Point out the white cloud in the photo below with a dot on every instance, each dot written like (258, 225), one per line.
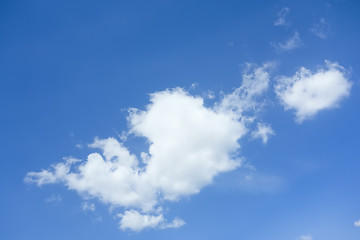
(189, 144)
(357, 223)
(85, 206)
(135, 221)
(292, 43)
(308, 93)
(305, 237)
(255, 82)
(321, 29)
(282, 14)
(209, 95)
(176, 223)
(79, 146)
(263, 131)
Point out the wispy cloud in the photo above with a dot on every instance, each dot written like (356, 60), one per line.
(255, 82)
(357, 223)
(321, 29)
(53, 199)
(308, 93)
(258, 182)
(263, 131)
(88, 207)
(79, 146)
(290, 44)
(281, 20)
(305, 237)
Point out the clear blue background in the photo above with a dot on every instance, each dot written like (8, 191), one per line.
(68, 69)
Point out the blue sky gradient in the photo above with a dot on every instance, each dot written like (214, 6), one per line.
(70, 71)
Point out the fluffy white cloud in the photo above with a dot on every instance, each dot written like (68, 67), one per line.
(357, 223)
(305, 237)
(290, 44)
(189, 144)
(135, 221)
(282, 14)
(308, 93)
(263, 131)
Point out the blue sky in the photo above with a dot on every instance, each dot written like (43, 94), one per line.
(180, 120)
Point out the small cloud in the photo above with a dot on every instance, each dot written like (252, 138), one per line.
(79, 146)
(194, 85)
(321, 29)
(123, 136)
(263, 131)
(281, 20)
(53, 199)
(210, 95)
(255, 82)
(292, 43)
(176, 223)
(357, 223)
(135, 221)
(305, 237)
(86, 207)
(308, 93)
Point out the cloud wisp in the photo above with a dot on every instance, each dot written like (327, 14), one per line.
(88, 207)
(263, 132)
(305, 237)
(308, 92)
(248, 97)
(281, 20)
(290, 44)
(321, 29)
(357, 223)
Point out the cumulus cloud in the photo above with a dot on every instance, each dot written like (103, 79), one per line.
(321, 29)
(290, 44)
(263, 131)
(281, 20)
(357, 223)
(310, 92)
(135, 221)
(189, 144)
(305, 237)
